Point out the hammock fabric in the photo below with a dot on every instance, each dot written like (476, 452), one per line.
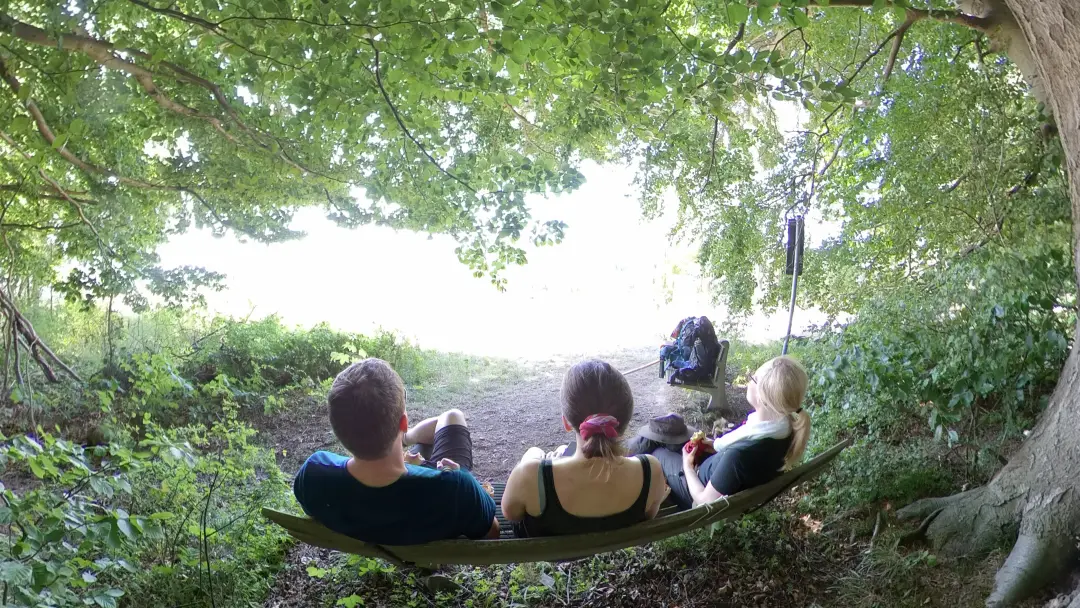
(508, 550)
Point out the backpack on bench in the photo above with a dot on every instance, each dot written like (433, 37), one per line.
(691, 359)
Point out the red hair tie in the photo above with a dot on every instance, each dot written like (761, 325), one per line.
(599, 424)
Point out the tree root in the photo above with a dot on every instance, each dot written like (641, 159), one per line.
(1038, 558)
(919, 535)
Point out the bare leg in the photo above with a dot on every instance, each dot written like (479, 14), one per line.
(424, 432)
(448, 418)
(533, 453)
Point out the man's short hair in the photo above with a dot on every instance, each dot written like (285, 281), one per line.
(367, 401)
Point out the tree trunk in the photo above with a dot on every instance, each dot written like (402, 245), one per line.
(1035, 498)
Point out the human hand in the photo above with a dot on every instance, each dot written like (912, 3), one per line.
(448, 465)
(556, 453)
(689, 454)
(413, 458)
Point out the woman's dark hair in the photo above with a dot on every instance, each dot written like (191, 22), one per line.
(595, 388)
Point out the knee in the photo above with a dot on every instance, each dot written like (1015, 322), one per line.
(449, 417)
(533, 453)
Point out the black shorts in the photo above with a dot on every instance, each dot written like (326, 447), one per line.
(452, 441)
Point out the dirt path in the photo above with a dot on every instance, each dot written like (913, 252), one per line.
(509, 407)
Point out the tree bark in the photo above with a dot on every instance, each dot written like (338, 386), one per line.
(1035, 499)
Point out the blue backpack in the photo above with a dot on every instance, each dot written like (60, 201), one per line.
(691, 359)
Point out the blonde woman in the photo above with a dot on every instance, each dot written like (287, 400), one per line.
(772, 440)
(595, 487)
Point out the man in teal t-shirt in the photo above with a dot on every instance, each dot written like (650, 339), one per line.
(375, 496)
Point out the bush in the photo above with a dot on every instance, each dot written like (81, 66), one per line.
(214, 542)
(264, 355)
(965, 357)
(68, 533)
(170, 523)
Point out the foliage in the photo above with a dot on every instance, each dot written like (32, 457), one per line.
(264, 354)
(452, 113)
(95, 525)
(214, 542)
(987, 337)
(67, 533)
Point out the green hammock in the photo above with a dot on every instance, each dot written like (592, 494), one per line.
(517, 550)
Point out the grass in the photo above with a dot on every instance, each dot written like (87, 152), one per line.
(460, 377)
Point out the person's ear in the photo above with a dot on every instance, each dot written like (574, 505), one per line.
(566, 424)
(404, 424)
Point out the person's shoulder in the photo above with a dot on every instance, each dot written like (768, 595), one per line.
(654, 463)
(324, 459)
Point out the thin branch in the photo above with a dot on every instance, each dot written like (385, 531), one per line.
(19, 189)
(104, 53)
(60, 190)
(50, 138)
(39, 227)
(738, 37)
(712, 153)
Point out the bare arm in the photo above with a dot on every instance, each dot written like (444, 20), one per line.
(516, 494)
(701, 493)
(493, 533)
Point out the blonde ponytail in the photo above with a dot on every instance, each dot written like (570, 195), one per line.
(800, 435)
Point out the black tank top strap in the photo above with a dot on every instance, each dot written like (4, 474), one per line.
(549, 498)
(646, 483)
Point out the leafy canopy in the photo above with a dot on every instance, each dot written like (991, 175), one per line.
(125, 121)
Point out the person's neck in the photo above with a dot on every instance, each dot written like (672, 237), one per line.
(378, 473)
(578, 455)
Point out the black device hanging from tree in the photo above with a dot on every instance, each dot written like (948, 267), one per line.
(793, 265)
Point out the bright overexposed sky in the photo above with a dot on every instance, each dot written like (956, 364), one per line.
(615, 281)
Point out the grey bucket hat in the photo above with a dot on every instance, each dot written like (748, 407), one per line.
(669, 428)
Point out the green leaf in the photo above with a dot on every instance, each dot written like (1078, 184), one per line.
(5, 515)
(125, 527)
(15, 573)
(737, 13)
(350, 602)
(800, 18)
(316, 572)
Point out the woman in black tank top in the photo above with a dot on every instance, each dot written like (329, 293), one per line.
(602, 489)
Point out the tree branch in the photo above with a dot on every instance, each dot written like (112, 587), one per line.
(103, 53)
(738, 37)
(712, 153)
(897, 41)
(900, 31)
(50, 138)
(947, 16)
(23, 333)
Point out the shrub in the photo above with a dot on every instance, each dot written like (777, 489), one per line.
(68, 533)
(214, 542)
(170, 523)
